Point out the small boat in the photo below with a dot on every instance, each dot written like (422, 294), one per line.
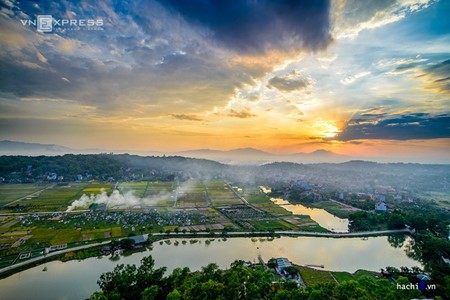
(45, 269)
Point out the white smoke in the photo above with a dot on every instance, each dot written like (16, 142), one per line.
(115, 199)
(127, 199)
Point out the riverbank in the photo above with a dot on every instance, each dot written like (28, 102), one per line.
(57, 255)
(336, 254)
(333, 207)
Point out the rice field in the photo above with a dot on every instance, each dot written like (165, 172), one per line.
(192, 194)
(12, 192)
(264, 225)
(159, 193)
(220, 194)
(137, 188)
(97, 188)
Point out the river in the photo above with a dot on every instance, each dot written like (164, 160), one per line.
(320, 216)
(77, 279)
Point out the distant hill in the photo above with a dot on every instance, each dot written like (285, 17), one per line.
(22, 148)
(255, 156)
(235, 156)
(353, 175)
(36, 149)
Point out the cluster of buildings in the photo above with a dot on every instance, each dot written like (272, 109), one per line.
(127, 219)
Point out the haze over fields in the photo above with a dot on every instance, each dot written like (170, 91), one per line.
(302, 81)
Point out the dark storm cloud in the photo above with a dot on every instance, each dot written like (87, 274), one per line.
(402, 127)
(287, 84)
(253, 26)
(144, 55)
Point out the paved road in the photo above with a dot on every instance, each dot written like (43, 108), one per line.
(219, 234)
(290, 232)
(343, 234)
(36, 259)
(32, 194)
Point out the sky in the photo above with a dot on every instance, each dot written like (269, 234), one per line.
(356, 77)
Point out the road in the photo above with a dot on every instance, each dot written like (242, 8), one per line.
(36, 259)
(243, 199)
(219, 234)
(32, 194)
(289, 232)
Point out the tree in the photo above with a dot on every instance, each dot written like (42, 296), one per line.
(150, 293)
(271, 263)
(396, 221)
(174, 295)
(350, 290)
(126, 244)
(396, 240)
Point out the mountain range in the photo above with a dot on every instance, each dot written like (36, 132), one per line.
(235, 156)
(251, 155)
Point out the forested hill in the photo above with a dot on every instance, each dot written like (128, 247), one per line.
(353, 175)
(103, 166)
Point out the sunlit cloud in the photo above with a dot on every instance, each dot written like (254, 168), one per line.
(352, 78)
(276, 77)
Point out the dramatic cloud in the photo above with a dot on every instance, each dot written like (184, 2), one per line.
(401, 127)
(439, 76)
(353, 16)
(255, 26)
(290, 82)
(194, 74)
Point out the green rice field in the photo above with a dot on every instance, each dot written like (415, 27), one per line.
(12, 192)
(220, 194)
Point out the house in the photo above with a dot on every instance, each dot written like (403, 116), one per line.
(51, 176)
(56, 248)
(381, 198)
(380, 206)
(282, 263)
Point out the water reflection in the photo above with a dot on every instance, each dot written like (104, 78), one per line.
(321, 216)
(77, 279)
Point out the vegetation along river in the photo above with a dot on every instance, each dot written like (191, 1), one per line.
(77, 279)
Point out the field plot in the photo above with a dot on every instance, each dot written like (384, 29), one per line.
(304, 223)
(192, 194)
(57, 198)
(101, 233)
(220, 194)
(264, 225)
(137, 188)
(12, 192)
(260, 200)
(56, 237)
(441, 199)
(97, 188)
(312, 276)
(159, 193)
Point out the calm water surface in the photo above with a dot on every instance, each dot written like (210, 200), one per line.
(321, 216)
(77, 279)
